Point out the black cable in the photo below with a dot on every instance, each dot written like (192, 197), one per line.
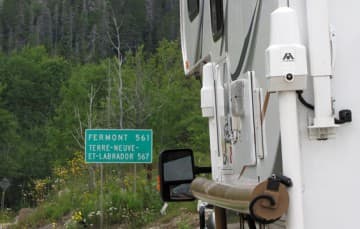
(338, 121)
(345, 115)
(303, 101)
(251, 222)
(198, 170)
(242, 219)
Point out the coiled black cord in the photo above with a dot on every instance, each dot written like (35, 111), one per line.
(258, 218)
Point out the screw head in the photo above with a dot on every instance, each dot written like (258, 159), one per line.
(289, 77)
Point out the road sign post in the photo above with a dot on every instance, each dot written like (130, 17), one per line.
(118, 146)
(4, 184)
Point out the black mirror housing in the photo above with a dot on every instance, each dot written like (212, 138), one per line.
(176, 172)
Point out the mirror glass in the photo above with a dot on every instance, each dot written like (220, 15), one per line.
(179, 169)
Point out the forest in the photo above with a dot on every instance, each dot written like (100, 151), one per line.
(80, 30)
(67, 66)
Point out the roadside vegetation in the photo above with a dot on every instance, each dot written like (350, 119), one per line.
(47, 102)
(67, 66)
(70, 204)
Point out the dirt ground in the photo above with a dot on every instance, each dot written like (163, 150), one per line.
(185, 219)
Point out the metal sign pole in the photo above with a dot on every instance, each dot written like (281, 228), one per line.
(3, 201)
(135, 178)
(4, 184)
(101, 195)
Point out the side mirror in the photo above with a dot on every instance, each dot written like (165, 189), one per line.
(176, 171)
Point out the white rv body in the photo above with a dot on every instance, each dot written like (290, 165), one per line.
(320, 156)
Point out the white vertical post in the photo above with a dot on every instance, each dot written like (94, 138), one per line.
(290, 147)
(320, 61)
(209, 110)
(284, 40)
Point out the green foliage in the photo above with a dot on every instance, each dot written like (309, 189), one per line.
(58, 77)
(8, 139)
(72, 198)
(78, 30)
(6, 216)
(30, 93)
(47, 102)
(49, 212)
(73, 113)
(184, 225)
(32, 80)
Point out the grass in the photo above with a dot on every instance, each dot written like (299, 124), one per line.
(81, 207)
(174, 209)
(49, 212)
(72, 202)
(6, 216)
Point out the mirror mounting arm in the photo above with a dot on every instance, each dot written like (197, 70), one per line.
(198, 170)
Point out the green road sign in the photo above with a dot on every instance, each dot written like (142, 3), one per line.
(118, 146)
